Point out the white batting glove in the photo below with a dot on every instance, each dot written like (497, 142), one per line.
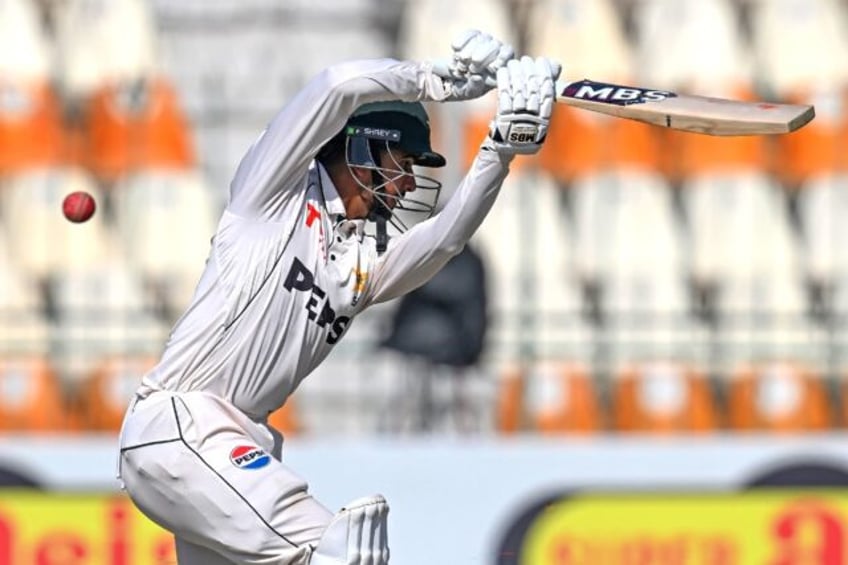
(472, 72)
(525, 103)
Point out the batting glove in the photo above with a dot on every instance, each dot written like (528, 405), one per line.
(472, 72)
(525, 103)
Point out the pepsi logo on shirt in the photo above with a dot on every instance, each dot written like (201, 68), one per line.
(249, 457)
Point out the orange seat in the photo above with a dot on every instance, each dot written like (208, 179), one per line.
(136, 126)
(777, 397)
(31, 130)
(581, 144)
(31, 398)
(107, 393)
(551, 398)
(663, 397)
(817, 148)
(286, 420)
(510, 402)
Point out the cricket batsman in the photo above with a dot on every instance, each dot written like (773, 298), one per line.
(290, 267)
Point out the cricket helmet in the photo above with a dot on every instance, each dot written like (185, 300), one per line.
(409, 119)
(401, 125)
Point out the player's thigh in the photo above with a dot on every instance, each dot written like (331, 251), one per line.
(247, 516)
(223, 492)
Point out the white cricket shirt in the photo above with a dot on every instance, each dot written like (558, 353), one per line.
(287, 273)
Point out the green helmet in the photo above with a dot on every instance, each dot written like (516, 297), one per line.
(386, 125)
(404, 124)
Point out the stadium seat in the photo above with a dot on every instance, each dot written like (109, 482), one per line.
(771, 354)
(800, 45)
(31, 129)
(663, 397)
(624, 223)
(137, 125)
(768, 349)
(837, 328)
(669, 47)
(778, 397)
(648, 317)
(509, 414)
(23, 321)
(570, 32)
(654, 350)
(108, 390)
(101, 312)
(630, 244)
(32, 135)
(165, 220)
(822, 208)
(23, 324)
(745, 249)
(801, 54)
(24, 46)
(604, 142)
(103, 43)
(738, 226)
(40, 239)
(687, 156)
(817, 150)
(534, 297)
(550, 398)
(670, 55)
(31, 397)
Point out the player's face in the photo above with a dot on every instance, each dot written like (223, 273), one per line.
(397, 171)
(383, 188)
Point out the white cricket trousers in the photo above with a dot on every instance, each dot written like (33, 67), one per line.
(200, 468)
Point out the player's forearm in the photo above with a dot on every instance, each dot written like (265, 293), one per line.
(470, 203)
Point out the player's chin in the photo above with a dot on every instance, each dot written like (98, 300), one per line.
(393, 200)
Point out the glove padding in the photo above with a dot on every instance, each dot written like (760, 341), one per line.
(472, 72)
(525, 103)
(357, 535)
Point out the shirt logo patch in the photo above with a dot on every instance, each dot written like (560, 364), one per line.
(249, 457)
(312, 214)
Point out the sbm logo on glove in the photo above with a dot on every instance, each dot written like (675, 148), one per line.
(518, 133)
(523, 133)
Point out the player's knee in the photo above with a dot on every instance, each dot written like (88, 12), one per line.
(357, 535)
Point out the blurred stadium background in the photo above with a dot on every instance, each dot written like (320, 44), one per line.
(644, 288)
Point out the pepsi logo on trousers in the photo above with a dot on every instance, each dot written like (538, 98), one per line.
(249, 457)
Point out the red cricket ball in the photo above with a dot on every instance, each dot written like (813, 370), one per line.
(78, 206)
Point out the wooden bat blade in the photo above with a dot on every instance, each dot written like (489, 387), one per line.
(687, 112)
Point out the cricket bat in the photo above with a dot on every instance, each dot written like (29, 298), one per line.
(686, 112)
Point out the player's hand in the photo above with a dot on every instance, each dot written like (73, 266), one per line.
(525, 103)
(472, 72)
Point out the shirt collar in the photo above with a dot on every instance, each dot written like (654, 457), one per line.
(334, 204)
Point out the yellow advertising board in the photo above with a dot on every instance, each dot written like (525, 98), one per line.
(761, 527)
(39, 528)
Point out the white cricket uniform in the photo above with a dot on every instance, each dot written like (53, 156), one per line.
(286, 275)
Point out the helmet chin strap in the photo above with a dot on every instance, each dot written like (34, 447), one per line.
(382, 234)
(379, 214)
